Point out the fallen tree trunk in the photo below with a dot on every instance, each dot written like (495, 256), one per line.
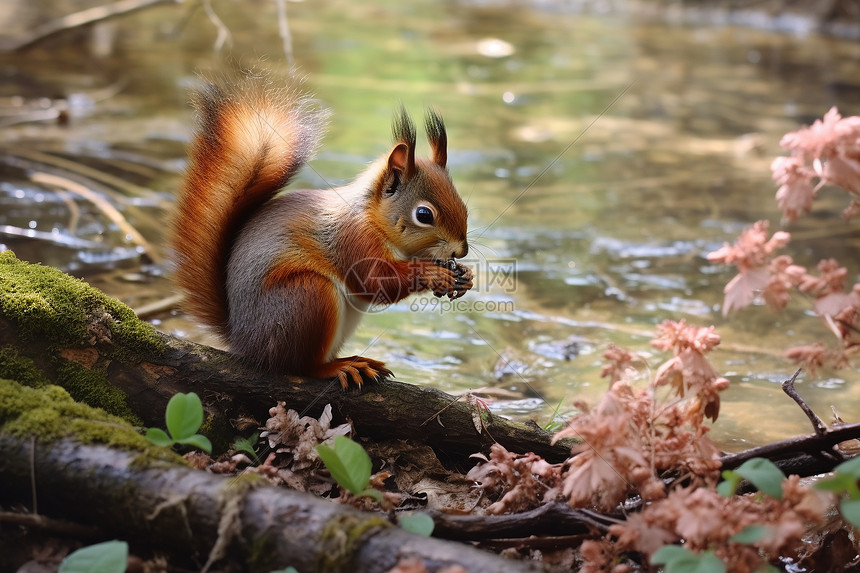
(96, 348)
(201, 519)
(382, 410)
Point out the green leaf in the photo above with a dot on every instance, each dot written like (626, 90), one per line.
(107, 557)
(709, 563)
(850, 509)
(199, 441)
(348, 464)
(764, 475)
(681, 560)
(159, 437)
(851, 467)
(419, 523)
(838, 483)
(553, 423)
(670, 553)
(750, 534)
(247, 444)
(287, 570)
(372, 493)
(728, 487)
(184, 415)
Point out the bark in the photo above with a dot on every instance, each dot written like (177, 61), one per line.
(196, 516)
(808, 455)
(379, 410)
(233, 394)
(550, 519)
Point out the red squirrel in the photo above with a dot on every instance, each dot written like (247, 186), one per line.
(284, 278)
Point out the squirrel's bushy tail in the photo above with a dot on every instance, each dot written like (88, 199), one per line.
(251, 139)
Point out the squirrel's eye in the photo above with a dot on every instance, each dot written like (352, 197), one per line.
(423, 215)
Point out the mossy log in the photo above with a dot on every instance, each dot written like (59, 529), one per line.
(58, 329)
(197, 517)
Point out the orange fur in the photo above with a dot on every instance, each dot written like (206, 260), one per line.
(249, 144)
(279, 277)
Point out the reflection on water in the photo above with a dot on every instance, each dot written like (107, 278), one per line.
(601, 159)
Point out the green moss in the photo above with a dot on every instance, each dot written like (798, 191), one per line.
(50, 413)
(260, 557)
(92, 387)
(45, 304)
(342, 537)
(56, 312)
(219, 431)
(16, 367)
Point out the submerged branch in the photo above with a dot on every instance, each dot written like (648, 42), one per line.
(76, 20)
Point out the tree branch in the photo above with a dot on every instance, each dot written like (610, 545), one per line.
(188, 514)
(788, 388)
(76, 20)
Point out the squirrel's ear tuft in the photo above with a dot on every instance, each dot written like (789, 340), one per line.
(437, 136)
(404, 138)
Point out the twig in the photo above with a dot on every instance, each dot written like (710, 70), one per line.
(105, 207)
(284, 31)
(224, 36)
(554, 519)
(39, 161)
(157, 307)
(436, 415)
(544, 542)
(74, 211)
(788, 387)
(792, 449)
(48, 524)
(33, 472)
(78, 19)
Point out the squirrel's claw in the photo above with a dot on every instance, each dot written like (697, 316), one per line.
(355, 369)
(451, 279)
(463, 279)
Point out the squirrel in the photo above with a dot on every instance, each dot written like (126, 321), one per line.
(283, 278)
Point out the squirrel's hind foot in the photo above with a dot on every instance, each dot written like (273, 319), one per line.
(358, 369)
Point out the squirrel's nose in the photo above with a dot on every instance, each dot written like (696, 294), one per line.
(464, 250)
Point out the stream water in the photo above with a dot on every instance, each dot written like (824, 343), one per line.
(601, 158)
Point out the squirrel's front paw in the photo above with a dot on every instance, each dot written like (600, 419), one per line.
(458, 279)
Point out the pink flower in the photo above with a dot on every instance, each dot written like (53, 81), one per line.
(752, 248)
(843, 171)
(756, 276)
(818, 139)
(678, 336)
(796, 191)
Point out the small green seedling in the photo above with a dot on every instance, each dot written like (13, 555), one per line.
(350, 466)
(184, 416)
(555, 423)
(845, 481)
(418, 523)
(247, 445)
(678, 559)
(750, 534)
(760, 472)
(107, 557)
